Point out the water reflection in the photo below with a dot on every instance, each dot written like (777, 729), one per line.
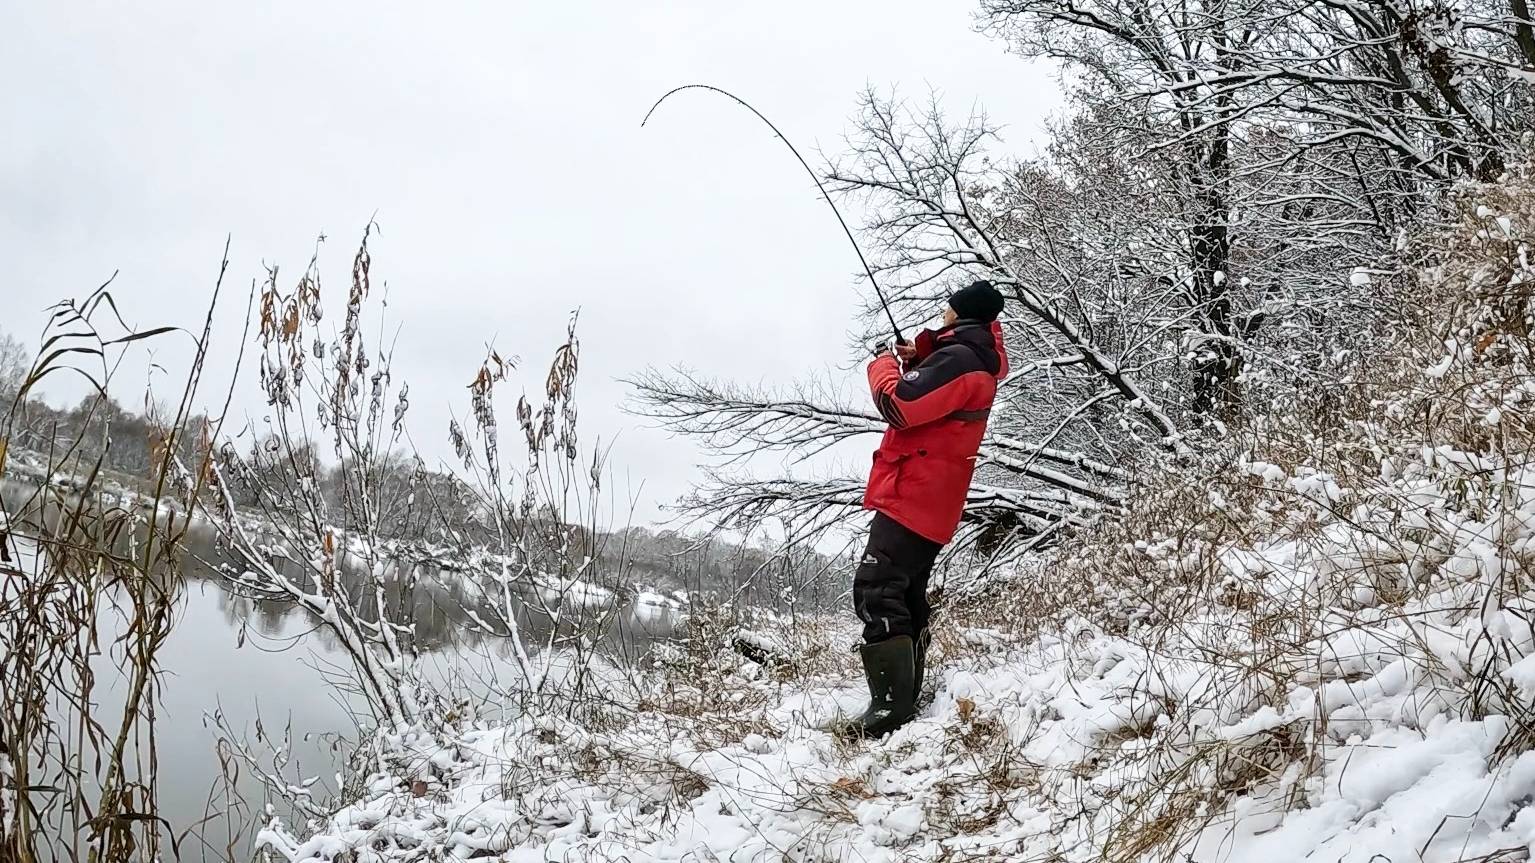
(265, 662)
(441, 604)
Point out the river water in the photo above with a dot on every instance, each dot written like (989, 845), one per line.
(267, 663)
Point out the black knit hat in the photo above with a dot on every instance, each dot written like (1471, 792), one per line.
(977, 301)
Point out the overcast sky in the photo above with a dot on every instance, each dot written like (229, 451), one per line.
(499, 147)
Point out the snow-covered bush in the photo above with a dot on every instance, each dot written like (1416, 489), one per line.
(1358, 565)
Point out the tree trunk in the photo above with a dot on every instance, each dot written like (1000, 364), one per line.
(1524, 30)
(1216, 359)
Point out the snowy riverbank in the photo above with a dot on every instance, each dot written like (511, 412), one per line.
(1313, 714)
(1310, 637)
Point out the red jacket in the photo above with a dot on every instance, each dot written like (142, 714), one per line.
(937, 413)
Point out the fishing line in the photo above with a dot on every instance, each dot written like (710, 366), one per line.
(900, 339)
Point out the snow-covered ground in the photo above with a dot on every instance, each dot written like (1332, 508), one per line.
(1317, 644)
(1348, 730)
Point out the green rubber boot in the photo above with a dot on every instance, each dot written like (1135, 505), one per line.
(890, 667)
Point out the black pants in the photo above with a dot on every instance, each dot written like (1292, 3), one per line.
(890, 587)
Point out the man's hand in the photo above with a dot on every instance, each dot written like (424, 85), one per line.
(906, 352)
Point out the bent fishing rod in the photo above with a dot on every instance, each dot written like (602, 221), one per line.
(869, 271)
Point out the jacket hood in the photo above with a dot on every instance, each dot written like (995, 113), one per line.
(985, 339)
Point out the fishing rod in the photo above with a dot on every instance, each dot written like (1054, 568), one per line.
(900, 339)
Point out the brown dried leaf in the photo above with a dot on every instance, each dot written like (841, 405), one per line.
(852, 787)
(966, 709)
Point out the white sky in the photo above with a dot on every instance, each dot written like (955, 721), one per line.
(499, 146)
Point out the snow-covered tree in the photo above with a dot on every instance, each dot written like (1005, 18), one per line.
(1205, 237)
(14, 362)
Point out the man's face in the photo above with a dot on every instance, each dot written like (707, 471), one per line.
(949, 316)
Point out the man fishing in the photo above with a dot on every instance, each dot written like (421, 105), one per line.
(937, 411)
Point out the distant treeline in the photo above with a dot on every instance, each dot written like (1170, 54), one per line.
(419, 505)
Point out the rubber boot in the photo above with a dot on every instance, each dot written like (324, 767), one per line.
(924, 639)
(847, 728)
(890, 666)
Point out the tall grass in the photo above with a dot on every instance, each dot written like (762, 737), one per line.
(87, 578)
(90, 569)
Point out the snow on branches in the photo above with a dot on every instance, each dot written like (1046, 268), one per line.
(1217, 227)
